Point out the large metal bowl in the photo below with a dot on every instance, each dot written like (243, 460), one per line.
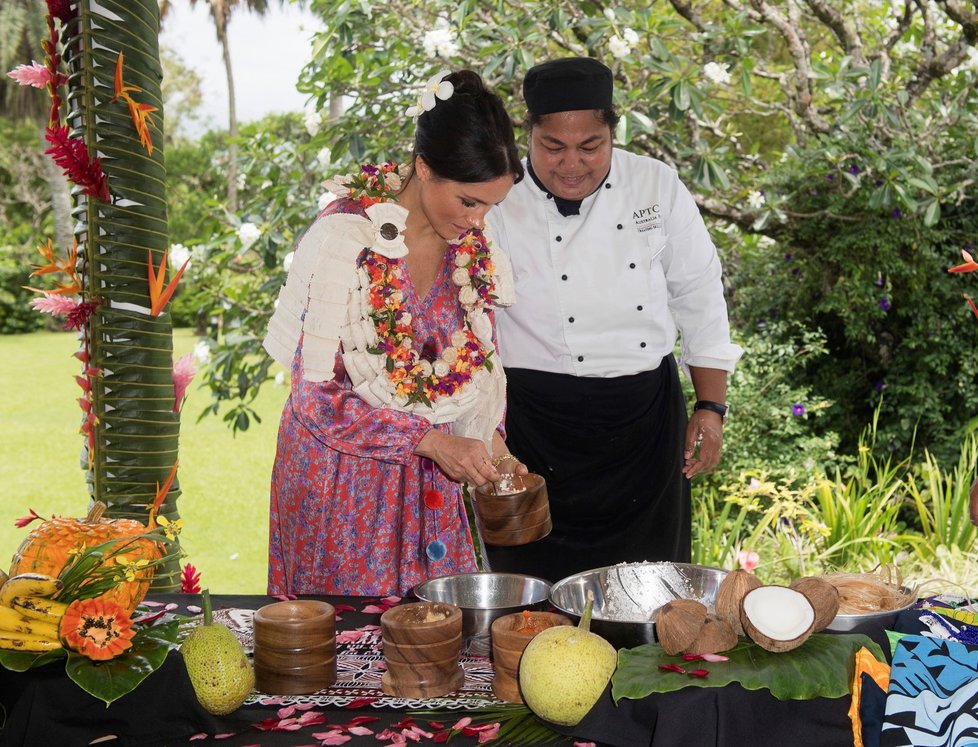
(482, 598)
(628, 596)
(868, 620)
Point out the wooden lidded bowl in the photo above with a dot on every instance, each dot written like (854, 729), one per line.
(511, 519)
(508, 643)
(295, 647)
(422, 646)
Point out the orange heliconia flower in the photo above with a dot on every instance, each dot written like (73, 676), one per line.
(969, 264)
(97, 628)
(56, 264)
(159, 295)
(140, 113)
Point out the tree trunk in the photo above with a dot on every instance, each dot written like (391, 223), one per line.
(222, 35)
(60, 199)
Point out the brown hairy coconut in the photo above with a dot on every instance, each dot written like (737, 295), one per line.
(716, 637)
(777, 618)
(679, 623)
(823, 596)
(729, 595)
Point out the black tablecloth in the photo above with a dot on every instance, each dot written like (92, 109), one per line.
(44, 708)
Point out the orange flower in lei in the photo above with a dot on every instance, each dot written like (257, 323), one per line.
(97, 628)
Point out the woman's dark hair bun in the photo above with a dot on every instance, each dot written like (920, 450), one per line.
(469, 136)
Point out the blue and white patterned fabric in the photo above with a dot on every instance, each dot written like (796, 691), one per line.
(933, 694)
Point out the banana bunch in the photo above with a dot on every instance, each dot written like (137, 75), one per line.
(29, 618)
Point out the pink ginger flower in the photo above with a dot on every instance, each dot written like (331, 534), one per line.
(35, 74)
(55, 305)
(748, 560)
(184, 371)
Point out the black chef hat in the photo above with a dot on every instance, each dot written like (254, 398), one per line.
(567, 85)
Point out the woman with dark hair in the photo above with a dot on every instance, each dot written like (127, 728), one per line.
(396, 396)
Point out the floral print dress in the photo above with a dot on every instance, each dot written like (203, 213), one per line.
(353, 509)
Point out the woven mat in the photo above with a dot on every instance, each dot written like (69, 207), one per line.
(359, 667)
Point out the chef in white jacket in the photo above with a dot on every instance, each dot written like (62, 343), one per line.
(612, 264)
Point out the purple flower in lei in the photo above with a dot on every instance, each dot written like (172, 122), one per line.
(798, 409)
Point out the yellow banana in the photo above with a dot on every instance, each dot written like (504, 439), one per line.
(13, 622)
(39, 608)
(12, 641)
(29, 585)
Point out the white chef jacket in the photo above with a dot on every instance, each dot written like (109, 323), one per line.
(607, 292)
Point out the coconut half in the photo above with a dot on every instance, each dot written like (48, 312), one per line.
(678, 624)
(715, 637)
(777, 618)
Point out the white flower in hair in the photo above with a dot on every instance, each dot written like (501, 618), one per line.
(434, 89)
(338, 185)
(389, 221)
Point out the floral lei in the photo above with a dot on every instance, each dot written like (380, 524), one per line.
(469, 348)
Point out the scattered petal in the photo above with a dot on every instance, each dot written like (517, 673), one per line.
(373, 609)
(701, 673)
(360, 702)
(672, 668)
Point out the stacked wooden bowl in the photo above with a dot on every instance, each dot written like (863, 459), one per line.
(511, 518)
(295, 647)
(422, 646)
(510, 636)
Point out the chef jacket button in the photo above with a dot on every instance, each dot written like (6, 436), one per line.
(560, 238)
(580, 359)
(619, 226)
(631, 265)
(607, 185)
(641, 345)
(639, 307)
(571, 320)
(563, 277)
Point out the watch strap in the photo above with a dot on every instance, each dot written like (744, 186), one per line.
(717, 407)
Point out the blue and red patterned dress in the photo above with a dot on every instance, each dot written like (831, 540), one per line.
(348, 513)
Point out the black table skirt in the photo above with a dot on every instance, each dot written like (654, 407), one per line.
(43, 708)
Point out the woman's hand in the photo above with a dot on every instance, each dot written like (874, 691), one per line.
(704, 441)
(462, 459)
(507, 464)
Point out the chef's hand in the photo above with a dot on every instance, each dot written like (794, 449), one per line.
(704, 441)
(507, 464)
(462, 459)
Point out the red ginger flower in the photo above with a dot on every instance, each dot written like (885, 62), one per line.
(189, 580)
(72, 155)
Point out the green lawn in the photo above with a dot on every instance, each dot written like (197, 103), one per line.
(224, 478)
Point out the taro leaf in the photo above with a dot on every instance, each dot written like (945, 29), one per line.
(21, 661)
(821, 667)
(109, 680)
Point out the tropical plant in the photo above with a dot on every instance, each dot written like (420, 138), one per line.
(221, 11)
(108, 282)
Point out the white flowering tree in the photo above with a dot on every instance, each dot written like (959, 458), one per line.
(818, 128)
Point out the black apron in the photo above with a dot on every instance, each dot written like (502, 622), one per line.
(611, 451)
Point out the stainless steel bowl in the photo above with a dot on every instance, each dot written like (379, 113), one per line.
(846, 623)
(627, 597)
(482, 598)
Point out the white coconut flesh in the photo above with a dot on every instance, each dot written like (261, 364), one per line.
(778, 612)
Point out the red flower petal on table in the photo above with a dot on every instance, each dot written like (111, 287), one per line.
(672, 668)
(391, 601)
(434, 499)
(489, 734)
(228, 735)
(373, 609)
(715, 657)
(360, 702)
(442, 736)
(23, 521)
(462, 723)
(345, 608)
(404, 723)
(349, 636)
(332, 737)
(201, 735)
(436, 725)
(701, 673)
(284, 597)
(360, 731)
(193, 609)
(584, 744)
(357, 720)
(149, 617)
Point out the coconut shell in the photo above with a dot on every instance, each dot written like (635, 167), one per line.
(776, 645)
(729, 595)
(823, 596)
(679, 623)
(716, 637)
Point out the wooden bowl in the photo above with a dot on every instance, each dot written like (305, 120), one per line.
(295, 680)
(514, 519)
(508, 644)
(284, 658)
(298, 623)
(422, 654)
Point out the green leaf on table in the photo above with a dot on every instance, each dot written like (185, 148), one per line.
(110, 680)
(21, 661)
(821, 667)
